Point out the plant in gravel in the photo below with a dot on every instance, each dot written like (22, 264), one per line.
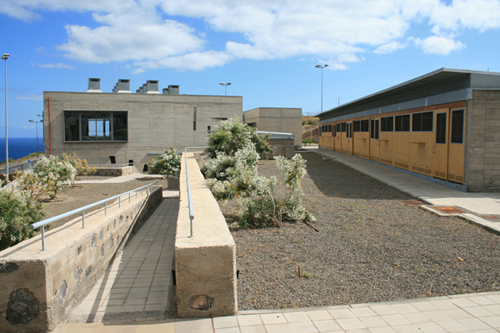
(81, 166)
(166, 163)
(48, 177)
(231, 135)
(307, 275)
(236, 177)
(17, 211)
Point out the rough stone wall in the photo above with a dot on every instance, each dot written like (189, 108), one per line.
(482, 158)
(155, 122)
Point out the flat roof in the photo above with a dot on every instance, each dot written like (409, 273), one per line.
(437, 82)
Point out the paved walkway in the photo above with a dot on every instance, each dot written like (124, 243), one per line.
(459, 313)
(137, 284)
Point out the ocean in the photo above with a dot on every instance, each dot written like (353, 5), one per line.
(20, 147)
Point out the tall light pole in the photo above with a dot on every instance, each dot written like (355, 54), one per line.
(322, 67)
(225, 85)
(5, 57)
(36, 122)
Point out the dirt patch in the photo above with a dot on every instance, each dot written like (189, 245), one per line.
(370, 247)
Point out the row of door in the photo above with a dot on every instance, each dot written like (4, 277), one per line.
(430, 143)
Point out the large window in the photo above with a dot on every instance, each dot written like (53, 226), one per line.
(457, 126)
(422, 122)
(402, 123)
(95, 126)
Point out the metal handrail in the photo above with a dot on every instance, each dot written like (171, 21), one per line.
(190, 201)
(82, 209)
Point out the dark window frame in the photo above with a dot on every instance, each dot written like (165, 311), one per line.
(440, 131)
(422, 121)
(88, 122)
(399, 123)
(457, 134)
(387, 124)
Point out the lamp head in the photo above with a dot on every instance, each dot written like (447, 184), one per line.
(31, 121)
(222, 83)
(318, 66)
(326, 65)
(5, 56)
(229, 83)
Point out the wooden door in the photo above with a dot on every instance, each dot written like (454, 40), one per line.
(440, 147)
(374, 139)
(456, 146)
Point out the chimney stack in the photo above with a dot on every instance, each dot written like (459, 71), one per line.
(122, 86)
(94, 85)
(150, 87)
(171, 90)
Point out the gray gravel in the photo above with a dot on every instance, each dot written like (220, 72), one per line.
(371, 247)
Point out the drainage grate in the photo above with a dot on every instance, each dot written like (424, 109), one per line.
(450, 210)
(416, 202)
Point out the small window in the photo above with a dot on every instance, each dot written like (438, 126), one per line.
(357, 126)
(387, 124)
(337, 127)
(334, 133)
(375, 128)
(344, 127)
(330, 128)
(194, 118)
(441, 127)
(402, 123)
(457, 126)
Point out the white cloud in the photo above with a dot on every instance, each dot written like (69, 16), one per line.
(439, 45)
(389, 47)
(30, 97)
(57, 66)
(154, 33)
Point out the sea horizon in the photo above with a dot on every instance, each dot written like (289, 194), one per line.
(20, 147)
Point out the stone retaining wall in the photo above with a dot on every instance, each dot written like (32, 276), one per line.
(115, 171)
(37, 288)
(205, 265)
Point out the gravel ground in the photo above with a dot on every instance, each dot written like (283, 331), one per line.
(74, 197)
(370, 247)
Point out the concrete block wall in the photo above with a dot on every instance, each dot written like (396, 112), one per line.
(482, 158)
(287, 120)
(205, 265)
(155, 123)
(38, 288)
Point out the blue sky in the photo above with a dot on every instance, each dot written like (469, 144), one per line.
(268, 49)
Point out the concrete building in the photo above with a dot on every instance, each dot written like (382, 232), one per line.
(123, 127)
(287, 120)
(442, 125)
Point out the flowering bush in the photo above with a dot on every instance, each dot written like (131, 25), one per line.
(17, 211)
(167, 163)
(48, 177)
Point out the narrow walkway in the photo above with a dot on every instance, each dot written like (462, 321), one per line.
(479, 208)
(137, 284)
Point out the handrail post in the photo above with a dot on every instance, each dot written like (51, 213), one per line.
(105, 208)
(83, 219)
(129, 197)
(43, 238)
(119, 201)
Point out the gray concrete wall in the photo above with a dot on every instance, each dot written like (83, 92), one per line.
(282, 147)
(287, 120)
(155, 122)
(205, 265)
(482, 155)
(38, 288)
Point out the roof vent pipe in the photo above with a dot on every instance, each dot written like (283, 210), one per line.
(94, 85)
(122, 86)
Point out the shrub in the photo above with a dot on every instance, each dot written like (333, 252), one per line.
(48, 177)
(17, 211)
(81, 166)
(167, 163)
(231, 135)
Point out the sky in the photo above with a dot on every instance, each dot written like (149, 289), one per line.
(267, 49)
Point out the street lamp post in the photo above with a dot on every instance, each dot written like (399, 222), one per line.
(322, 67)
(36, 122)
(225, 85)
(5, 57)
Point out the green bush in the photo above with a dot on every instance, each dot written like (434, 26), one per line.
(17, 211)
(167, 163)
(231, 135)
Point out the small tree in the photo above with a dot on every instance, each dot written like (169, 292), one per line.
(167, 163)
(17, 211)
(48, 177)
(231, 135)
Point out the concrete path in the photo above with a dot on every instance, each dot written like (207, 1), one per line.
(480, 208)
(461, 313)
(120, 179)
(136, 287)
